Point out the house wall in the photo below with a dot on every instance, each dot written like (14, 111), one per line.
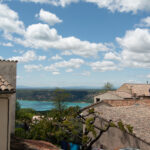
(114, 139)
(106, 96)
(4, 127)
(8, 71)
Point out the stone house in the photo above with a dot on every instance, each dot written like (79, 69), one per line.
(135, 115)
(7, 102)
(127, 91)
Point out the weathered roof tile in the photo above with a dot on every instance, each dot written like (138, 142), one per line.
(138, 116)
(2, 60)
(5, 86)
(139, 89)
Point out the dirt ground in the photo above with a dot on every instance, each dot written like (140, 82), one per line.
(19, 144)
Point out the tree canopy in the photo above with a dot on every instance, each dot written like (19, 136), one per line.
(108, 86)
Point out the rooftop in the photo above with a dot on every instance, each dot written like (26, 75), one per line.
(138, 89)
(121, 94)
(5, 86)
(2, 60)
(138, 116)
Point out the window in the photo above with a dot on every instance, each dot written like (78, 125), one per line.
(97, 99)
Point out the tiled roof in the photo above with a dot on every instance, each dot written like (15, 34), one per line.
(2, 60)
(121, 94)
(139, 89)
(138, 116)
(5, 86)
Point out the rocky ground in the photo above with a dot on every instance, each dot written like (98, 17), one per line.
(21, 144)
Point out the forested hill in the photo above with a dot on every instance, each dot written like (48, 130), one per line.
(76, 95)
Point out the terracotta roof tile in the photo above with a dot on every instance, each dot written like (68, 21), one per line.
(121, 94)
(5, 86)
(138, 116)
(139, 89)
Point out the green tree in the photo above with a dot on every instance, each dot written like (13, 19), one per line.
(24, 116)
(52, 128)
(59, 97)
(108, 86)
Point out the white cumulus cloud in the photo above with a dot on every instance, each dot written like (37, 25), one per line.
(104, 66)
(66, 53)
(56, 57)
(122, 5)
(145, 22)
(62, 3)
(70, 65)
(112, 56)
(148, 76)
(135, 48)
(30, 68)
(42, 36)
(6, 44)
(69, 70)
(1, 58)
(56, 73)
(9, 21)
(48, 17)
(41, 57)
(28, 56)
(86, 73)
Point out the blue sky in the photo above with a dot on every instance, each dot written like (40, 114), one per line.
(60, 43)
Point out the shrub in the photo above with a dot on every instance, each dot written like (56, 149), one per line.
(19, 132)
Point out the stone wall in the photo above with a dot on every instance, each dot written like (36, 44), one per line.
(106, 96)
(8, 71)
(114, 139)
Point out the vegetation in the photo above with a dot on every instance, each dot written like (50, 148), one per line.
(59, 124)
(64, 124)
(83, 95)
(69, 128)
(108, 86)
(59, 97)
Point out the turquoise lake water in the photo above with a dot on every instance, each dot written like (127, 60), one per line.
(43, 105)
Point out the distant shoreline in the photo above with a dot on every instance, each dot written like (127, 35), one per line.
(51, 101)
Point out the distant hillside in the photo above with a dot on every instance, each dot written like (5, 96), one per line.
(76, 95)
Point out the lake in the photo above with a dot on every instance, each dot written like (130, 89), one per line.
(44, 105)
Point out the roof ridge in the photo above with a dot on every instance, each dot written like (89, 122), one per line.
(137, 83)
(3, 60)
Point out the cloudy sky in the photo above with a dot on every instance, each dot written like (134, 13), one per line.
(62, 43)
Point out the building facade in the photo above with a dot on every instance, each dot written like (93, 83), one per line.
(7, 102)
